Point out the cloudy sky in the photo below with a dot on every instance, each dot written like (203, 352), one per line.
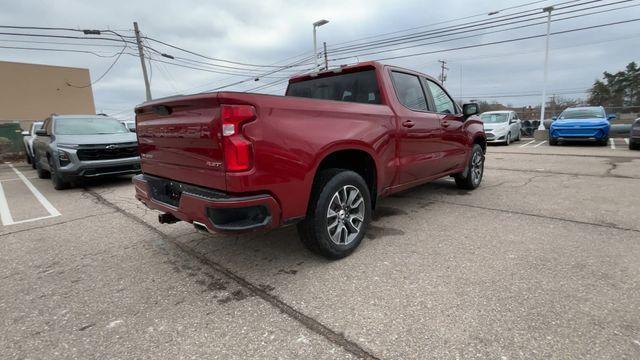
(277, 33)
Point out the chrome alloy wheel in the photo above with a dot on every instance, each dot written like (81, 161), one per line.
(477, 168)
(345, 215)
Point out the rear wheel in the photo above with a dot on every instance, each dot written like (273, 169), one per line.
(28, 158)
(634, 145)
(338, 214)
(472, 176)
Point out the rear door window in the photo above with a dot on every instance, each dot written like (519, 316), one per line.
(409, 91)
(360, 87)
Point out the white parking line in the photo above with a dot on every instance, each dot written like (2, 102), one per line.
(613, 144)
(5, 214)
(532, 141)
(15, 179)
(544, 141)
(626, 140)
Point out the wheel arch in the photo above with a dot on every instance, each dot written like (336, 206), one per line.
(357, 159)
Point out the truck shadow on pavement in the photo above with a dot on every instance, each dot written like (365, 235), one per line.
(280, 253)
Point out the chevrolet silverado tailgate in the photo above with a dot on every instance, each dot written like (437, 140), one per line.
(180, 139)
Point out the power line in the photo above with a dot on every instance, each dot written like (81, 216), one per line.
(444, 22)
(59, 50)
(494, 31)
(205, 69)
(124, 47)
(467, 29)
(208, 57)
(57, 43)
(501, 41)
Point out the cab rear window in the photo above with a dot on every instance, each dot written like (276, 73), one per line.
(359, 87)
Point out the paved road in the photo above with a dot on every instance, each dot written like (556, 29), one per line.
(540, 262)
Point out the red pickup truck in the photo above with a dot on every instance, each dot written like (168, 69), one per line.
(320, 156)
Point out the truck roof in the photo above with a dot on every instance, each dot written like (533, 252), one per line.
(353, 68)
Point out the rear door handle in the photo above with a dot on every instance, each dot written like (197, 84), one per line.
(445, 124)
(408, 124)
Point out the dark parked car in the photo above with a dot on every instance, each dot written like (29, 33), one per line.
(72, 147)
(320, 156)
(634, 136)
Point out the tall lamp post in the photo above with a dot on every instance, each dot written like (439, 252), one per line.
(317, 24)
(548, 10)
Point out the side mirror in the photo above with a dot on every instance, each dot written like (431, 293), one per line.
(470, 109)
(25, 133)
(41, 132)
(513, 121)
(611, 116)
(554, 118)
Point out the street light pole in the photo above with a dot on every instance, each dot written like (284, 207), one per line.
(316, 24)
(548, 10)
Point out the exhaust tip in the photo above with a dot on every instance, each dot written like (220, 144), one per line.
(202, 228)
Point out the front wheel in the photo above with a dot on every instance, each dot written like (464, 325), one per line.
(472, 176)
(603, 141)
(42, 174)
(553, 141)
(338, 215)
(58, 180)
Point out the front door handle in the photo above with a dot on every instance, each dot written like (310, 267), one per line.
(408, 124)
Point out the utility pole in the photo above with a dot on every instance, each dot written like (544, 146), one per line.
(548, 10)
(144, 66)
(443, 68)
(326, 58)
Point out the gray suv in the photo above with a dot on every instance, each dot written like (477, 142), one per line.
(72, 147)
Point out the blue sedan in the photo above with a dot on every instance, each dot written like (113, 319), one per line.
(581, 123)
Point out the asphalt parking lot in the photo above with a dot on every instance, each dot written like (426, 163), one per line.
(542, 261)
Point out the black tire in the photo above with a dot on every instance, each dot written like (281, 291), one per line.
(507, 141)
(315, 229)
(469, 179)
(603, 142)
(634, 145)
(58, 180)
(42, 174)
(29, 161)
(553, 141)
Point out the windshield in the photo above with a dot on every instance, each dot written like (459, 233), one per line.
(494, 118)
(360, 87)
(89, 126)
(582, 114)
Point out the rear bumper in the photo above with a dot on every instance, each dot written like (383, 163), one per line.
(215, 210)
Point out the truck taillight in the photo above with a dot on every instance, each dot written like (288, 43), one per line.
(238, 151)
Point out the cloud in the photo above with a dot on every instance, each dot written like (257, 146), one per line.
(265, 32)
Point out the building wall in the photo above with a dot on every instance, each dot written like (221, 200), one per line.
(31, 92)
